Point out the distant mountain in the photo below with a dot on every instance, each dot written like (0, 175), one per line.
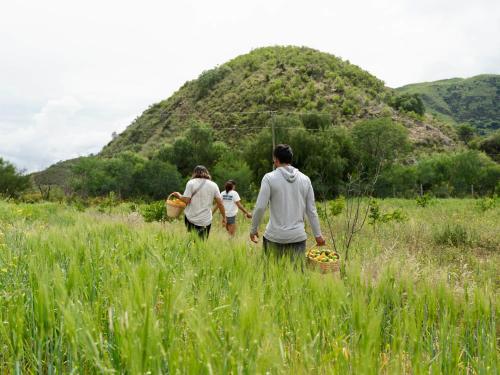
(473, 100)
(234, 97)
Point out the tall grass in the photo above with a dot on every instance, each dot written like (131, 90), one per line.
(98, 293)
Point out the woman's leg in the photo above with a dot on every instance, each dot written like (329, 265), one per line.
(231, 228)
(231, 225)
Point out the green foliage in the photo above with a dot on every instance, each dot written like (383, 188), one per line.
(233, 168)
(154, 211)
(325, 155)
(128, 175)
(465, 133)
(379, 142)
(453, 235)
(107, 203)
(157, 179)
(209, 78)
(407, 103)
(332, 208)
(12, 182)
(316, 120)
(486, 203)
(491, 146)
(31, 197)
(197, 146)
(234, 97)
(424, 200)
(472, 100)
(377, 216)
(456, 173)
(397, 180)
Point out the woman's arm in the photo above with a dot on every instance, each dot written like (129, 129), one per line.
(179, 196)
(240, 206)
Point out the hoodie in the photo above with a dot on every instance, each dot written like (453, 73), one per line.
(290, 197)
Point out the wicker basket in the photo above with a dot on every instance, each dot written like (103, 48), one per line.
(174, 209)
(323, 267)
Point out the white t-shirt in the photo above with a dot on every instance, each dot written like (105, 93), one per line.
(230, 200)
(199, 210)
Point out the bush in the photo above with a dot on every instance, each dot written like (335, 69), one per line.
(209, 78)
(376, 216)
(31, 197)
(155, 211)
(333, 208)
(407, 103)
(486, 203)
(453, 235)
(424, 200)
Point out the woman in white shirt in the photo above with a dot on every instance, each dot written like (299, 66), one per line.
(232, 202)
(199, 196)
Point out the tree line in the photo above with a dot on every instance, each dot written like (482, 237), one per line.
(330, 155)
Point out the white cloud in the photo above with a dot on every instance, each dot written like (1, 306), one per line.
(72, 72)
(64, 128)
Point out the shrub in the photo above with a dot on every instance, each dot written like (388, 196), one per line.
(333, 208)
(453, 235)
(32, 197)
(376, 216)
(486, 203)
(154, 212)
(424, 200)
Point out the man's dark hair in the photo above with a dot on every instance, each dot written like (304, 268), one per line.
(283, 153)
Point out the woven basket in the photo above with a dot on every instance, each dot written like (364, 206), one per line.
(174, 209)
(323, 267)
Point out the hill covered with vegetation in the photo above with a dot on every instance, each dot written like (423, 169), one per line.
(236, 99)
(473, 100)
(339, 119)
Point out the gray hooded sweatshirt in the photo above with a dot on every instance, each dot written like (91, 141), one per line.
(290, 196)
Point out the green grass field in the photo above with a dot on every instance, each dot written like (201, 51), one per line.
(91, 292)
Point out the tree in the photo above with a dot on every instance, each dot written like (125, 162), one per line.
(324, 155)
(197, 146)
(407, 103)
(379, 142)
(12, 181)
(491, 146)
(231, 168)
(457, 173)
(465, 133)
(397, 180)
(157, 179)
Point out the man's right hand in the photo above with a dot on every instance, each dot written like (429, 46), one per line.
(320, 241)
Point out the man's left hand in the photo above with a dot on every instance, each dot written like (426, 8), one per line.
(320, 241)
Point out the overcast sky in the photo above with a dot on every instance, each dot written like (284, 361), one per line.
(72, 72)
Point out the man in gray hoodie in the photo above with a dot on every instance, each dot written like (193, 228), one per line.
(290, 196)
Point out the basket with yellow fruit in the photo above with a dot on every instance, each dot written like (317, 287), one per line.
(174, 206)
(324, 259)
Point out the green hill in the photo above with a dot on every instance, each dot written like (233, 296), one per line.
(235, 98)
(473, 100)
